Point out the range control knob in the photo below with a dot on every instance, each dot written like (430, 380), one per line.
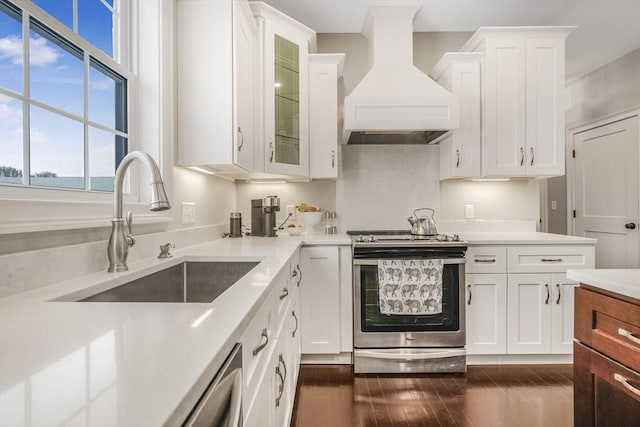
(372, 239)
(360, 239)
(456, 238)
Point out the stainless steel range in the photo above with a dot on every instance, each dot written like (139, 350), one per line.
(409, 311)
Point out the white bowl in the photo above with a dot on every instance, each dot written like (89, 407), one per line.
(308, 220)
(294, 231)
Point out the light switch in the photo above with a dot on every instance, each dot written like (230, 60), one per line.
(469, 211)
(291, 211)
(188, 213)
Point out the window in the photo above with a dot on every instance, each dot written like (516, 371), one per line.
(63, 96)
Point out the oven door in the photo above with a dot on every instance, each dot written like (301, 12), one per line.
(372, 329)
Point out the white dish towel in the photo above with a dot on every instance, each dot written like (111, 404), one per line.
(410, 286)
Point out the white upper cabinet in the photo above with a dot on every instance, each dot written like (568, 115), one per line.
(460, 73)
(522, 100)
(284, 51)
(216, 68)
(325, 70)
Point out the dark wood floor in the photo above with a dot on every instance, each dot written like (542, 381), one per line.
(331, 395)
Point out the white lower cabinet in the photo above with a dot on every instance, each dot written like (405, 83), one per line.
(486, 320)
(320, 300)
(326, 300)
(271, 353)
(540, 314)
(519, 300)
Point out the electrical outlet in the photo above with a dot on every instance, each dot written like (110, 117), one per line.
(291, 211)
(188, 213)
(469, 211)
(554, 205)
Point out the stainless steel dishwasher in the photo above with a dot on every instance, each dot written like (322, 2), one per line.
(221, 403)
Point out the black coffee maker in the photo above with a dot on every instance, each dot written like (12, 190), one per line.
(263, 216)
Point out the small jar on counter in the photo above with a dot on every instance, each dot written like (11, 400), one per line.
(235, 224)
(330, 222)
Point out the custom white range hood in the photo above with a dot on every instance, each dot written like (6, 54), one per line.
(395, 103)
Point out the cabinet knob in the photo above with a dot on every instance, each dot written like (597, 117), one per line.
(630, 226)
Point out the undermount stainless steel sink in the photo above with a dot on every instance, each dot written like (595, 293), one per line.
(189, 282)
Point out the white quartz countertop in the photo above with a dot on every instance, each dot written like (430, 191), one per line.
(522, 238)
(621, 281)
(142, 364)
(128, 364)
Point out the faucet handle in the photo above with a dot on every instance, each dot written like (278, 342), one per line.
(164, 250)
(130, 240)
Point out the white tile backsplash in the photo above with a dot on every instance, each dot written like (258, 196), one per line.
(381, 185)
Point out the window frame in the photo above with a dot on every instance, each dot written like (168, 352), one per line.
(33, 208)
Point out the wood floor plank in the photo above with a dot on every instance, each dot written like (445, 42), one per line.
(536, 396)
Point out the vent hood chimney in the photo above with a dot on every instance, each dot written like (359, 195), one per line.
(396, 103)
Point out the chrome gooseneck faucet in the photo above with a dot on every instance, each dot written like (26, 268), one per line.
(119, 243)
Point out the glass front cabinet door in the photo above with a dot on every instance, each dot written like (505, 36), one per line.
(285, 47)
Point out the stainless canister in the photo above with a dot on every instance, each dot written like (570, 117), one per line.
(330, 222)
(235, 224)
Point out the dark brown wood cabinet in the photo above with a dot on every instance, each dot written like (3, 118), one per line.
(606, 359)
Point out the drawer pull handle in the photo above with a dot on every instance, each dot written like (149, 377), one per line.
(551, 260)
(485, 261)
(628, 335)
(280, 386)
(284, 365)
(469, 288)
(548, 294)
(622, 380)
(559, 293)
(299, 274)
(293, 334)
(285, 293)
(259, 348)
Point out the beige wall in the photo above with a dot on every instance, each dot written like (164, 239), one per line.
(610, 89)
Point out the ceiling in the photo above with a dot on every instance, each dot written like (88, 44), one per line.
(607, 29)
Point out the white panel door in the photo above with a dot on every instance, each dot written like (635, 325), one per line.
(562, 309)
(529, 314)
(486, 315)
(320, 298)
(606, 191)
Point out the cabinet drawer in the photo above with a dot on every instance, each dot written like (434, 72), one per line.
(609, 326)
(486, 259)
(607, 393)
(257, 343)
(549, 259)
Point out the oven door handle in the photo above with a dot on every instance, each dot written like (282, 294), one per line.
(358, 261)
(414, 355)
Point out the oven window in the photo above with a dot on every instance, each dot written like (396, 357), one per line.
(374, 321)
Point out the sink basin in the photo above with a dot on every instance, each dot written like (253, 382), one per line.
(190, 282)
